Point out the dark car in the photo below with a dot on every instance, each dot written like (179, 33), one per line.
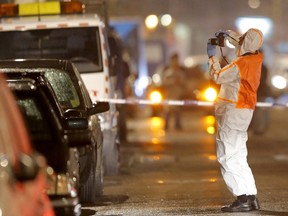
(76, 112)
(48, 138)
(22, 184)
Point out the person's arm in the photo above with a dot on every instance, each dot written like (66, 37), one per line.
(219, 75)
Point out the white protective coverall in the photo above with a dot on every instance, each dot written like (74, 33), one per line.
(234, 108)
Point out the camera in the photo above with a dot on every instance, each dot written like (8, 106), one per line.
(219, 40)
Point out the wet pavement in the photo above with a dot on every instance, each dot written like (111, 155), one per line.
(176, 172)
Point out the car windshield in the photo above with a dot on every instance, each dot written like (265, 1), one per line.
(64, 88)
(81, 45)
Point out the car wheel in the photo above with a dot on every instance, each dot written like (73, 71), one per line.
(99, 181)
(88, 177)
(111, 153)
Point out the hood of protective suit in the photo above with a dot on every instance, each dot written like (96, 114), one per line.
(253, 40)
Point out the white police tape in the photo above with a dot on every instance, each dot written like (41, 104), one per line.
(178, 102)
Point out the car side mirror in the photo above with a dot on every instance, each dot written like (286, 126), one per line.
(72, 113)
(78, 134)
(29, 166)
(98, 107)
(76, 123)
(74, 120)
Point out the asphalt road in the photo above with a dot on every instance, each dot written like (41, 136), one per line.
(176, 172)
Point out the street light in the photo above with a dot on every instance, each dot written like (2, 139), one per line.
(166, 20)
(254, 3)
(151, 21)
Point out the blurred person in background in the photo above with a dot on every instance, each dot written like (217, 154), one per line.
(119, 65)
(123, 109)
(234, 108)
(174, 89)
(260, 121)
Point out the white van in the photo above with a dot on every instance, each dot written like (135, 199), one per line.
(61, 30)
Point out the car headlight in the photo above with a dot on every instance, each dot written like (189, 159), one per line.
(155, 96)
(210, 94)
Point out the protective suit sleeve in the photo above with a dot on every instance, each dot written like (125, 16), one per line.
(219, 75)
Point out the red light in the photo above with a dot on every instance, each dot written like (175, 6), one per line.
(8, 10)
(72, 7)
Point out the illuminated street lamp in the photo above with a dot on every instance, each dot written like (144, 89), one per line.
(166, 20)
(151, 21)
(254, 3)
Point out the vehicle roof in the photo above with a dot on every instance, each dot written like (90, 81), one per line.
(33, 68)
(37, 63)
(31, 84)
(51, 21)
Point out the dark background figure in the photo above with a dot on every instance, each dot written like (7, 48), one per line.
(174, 89)
(260, 121)
(119, 65)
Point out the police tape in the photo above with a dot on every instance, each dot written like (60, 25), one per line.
(133, 101)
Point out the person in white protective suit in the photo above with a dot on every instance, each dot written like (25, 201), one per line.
(234, 108)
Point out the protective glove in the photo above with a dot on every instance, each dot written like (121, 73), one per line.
(211, 49)
(219, 32)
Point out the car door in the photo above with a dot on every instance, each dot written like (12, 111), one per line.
(18, 186)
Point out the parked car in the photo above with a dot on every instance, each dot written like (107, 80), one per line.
(76, 112)
(22, 176)
(64, 30)
(48, 138)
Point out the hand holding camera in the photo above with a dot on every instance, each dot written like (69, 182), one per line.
(220, 38)
(218, 41)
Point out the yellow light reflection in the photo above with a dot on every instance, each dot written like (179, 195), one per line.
(155, 141)
(210, 120)
(212, 180)
(157, 123)
(156, 158)
(160, 182)
(210, 130)
(212, 157)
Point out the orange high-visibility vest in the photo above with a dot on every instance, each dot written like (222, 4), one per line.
(250, 72)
